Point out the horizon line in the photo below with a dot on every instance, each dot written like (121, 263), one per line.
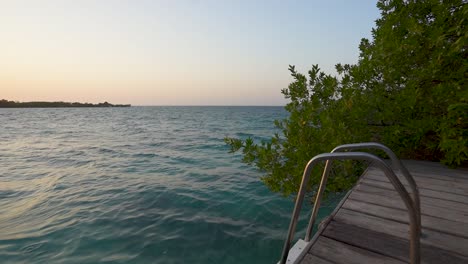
(212, 105)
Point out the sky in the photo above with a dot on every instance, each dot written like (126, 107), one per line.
(174, 52)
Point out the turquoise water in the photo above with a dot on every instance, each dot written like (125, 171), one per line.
(136, 185)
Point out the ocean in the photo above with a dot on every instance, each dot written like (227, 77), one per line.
(137, 185)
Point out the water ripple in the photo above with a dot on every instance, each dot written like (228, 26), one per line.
(135, 185)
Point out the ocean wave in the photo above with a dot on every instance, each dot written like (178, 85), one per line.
(139, 185)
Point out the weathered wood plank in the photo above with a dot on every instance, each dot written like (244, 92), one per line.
(433, 175)
(422, 192)
(442, 180)
(441, 177)
(400, 215)
(427, 183)
(435, 168)
(372, 224)
(445, 241)
(311, 259)
(339, 252)
(462, 207)
(388, 245)
(383, 199)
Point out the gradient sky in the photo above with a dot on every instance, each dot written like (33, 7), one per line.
(172, 52)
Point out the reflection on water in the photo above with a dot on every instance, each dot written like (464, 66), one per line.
(139, 185)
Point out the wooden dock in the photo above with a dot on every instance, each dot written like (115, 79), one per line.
(371, 223)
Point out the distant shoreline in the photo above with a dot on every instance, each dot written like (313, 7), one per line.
(12, 104)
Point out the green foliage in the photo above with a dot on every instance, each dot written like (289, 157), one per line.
(454, 135)
(408, 91)
(419, 59)
(319, 118)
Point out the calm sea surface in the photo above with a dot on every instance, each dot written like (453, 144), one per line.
(136, 185)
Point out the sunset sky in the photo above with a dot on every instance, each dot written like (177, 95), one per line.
(172, 52)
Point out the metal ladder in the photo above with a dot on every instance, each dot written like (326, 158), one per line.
(412, 202)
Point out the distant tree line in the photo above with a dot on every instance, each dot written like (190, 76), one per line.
(12, 104)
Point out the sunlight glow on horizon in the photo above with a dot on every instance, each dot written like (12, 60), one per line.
(172, 52)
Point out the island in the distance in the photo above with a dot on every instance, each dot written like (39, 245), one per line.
(12, 104)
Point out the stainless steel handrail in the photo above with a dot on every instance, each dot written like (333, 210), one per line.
(395, 162)
(328, 157)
